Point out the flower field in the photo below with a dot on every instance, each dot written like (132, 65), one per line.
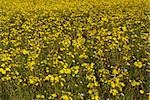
(74, 50)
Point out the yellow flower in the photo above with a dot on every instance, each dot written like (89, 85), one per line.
(7, 69)
(141, 91)
(126, 58)
(33, 80)
(54, 95)
(65, 70)
(138, 64)
(52, 78)
(105, 19)
(124, 28)
(56, 78)
(122, 84)
(113, 91)
(38, 96)
(61, 83)
(134, 83)
(83, 56)
(65, 97)
(42, 96)
(96, 97)
(24, 51)
(148, 96)
(47, 78)
(76, 85)
(20, 80)
(115, 71)
(90, 77)
(96, 83)
(113, 85)
(90, 91)
(2, 71)
(90, 85)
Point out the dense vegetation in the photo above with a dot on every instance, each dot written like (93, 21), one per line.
(74, 49)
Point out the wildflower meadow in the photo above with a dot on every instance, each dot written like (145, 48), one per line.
(74, 49)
